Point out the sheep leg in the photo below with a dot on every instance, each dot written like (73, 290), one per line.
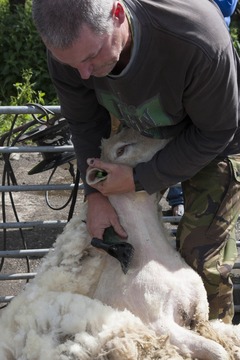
(189, 342)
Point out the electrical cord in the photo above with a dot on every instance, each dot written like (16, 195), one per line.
(71, 170)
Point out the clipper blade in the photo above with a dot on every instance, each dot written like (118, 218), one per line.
(122, 251)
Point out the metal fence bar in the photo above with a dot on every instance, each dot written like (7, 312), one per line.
(28, 109)
(35, 149)
(33, 224)
(6, 299)
(19, 276)
(23, 253)
(174, 219)
(17, 188)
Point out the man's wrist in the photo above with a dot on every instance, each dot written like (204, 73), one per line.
(138, 185)
(94, 195)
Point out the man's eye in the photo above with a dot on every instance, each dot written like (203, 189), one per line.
(90, 58)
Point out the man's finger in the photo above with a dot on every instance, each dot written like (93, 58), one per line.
(120, 231)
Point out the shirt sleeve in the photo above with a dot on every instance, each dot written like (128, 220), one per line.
(211, 101)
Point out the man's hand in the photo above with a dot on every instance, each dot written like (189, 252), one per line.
(102, 215)
(119, 178)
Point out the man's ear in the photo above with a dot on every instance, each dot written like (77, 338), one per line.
(118, 12)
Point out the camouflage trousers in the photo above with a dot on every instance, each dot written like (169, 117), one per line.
(206, 232)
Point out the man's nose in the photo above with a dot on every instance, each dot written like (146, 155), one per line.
(85, 70)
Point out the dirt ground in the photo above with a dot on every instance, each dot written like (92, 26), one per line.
(32, 206)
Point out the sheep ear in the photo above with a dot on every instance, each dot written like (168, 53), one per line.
(95, 175)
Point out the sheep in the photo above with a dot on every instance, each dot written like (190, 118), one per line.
(52, 319)
(81, 305)
(159, 303)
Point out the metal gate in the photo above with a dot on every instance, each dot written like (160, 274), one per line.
(44, 135)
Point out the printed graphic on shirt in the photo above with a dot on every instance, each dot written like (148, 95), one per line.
(146, 118)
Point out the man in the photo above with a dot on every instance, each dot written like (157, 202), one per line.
(168, 69)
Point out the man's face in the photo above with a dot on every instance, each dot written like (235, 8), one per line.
(91, 54)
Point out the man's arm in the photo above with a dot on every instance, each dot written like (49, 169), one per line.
(102, 215)
(88, 121)
(211, 100)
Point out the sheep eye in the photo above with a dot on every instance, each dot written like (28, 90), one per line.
(120, 151)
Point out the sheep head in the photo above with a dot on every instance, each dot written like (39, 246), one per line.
(129, 147)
